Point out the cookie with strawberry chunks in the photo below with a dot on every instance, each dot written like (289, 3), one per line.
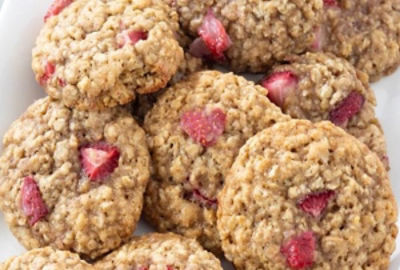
(366, 33)
(249, 35)
(317, 87)
(160, 251)
(194, 132)
(46, 258)
(73, 179)
(303, 195)
(94, 54)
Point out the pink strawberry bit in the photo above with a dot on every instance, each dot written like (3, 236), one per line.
(315, 203)
(279, 85)
(130, 37)
(331, 3)
(214, 35)
(204, 127)
(299, 250)
(319, 39)
(56, 8)
(33, 205)
(199, 49)
(143, 268)
(49, 70)
(198, 197)
(346, 109)
(169, 267)
(99, 160)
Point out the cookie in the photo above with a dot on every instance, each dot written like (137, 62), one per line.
(250, 35)
(45, 258)
(317, 86)
(73, 179)
(160, 251)
(95, 54)
(194, 131)
(305, 195)
(367, 33)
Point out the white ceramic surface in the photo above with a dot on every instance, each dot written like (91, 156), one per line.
(20, 22)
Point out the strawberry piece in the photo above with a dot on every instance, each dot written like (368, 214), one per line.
(299, 250)
(315, 203)
(130, 37)
(279, 85)
(198, 197)
(331, 3)
(56, 8)
(346, 109)
(199, 49)
(169, 267)
(214, 35)
(320, 38)
(143, 268)
(203, 127)
(99, 160)
(32, 203)
(49, 70)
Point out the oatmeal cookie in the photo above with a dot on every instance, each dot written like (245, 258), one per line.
(194, 132)
(160, 251)
(250, 34)
(46, 258)
(95, 54)
(317, 86)
(307, 195)
(73, 179)
(365, 32)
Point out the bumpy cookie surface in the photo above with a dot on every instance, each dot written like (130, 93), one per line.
(303, 195)
(162, 252)
(261, 32)
(194, 132)
(96, 54)
(318, 87)
(365, 32)
(45, 258)
(73, 179)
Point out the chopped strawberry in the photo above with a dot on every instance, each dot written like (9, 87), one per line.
(198, 197)
(315, 203)
(299, 250)
(169, 267)
(199, 49)
(331, 3)
(56, 8)
(346, 109)
(31, 199)
(130, 37)
(143, 268)
(204, 127)
(61, 82)
(279, 85)
(214, 35)
(99, 160)
(49, 70)
(319, 39)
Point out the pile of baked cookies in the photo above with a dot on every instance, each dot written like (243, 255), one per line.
(290, 172)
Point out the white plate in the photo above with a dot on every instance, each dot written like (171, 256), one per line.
(20, 22)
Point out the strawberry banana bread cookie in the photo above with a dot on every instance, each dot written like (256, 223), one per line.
(160, 252)
(194, 131)
(305, 195)
(46, 258)
(250, 34)
(73, 179)
(318, 87)
(365, 32)
(94, 54)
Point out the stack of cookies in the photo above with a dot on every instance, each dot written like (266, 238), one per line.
(290, 172)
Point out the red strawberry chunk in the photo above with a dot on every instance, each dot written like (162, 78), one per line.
(346, 109)
(199, 49)
(49, 70)
(99, 160)
(143, 268)
(279, 85)
(315, 203)
(169, 267)
(198, 197)
(56, 8)
(204, 127)
(299, 250)
(331, 3)
(33, 205)
(214, 35)
(130, 37)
